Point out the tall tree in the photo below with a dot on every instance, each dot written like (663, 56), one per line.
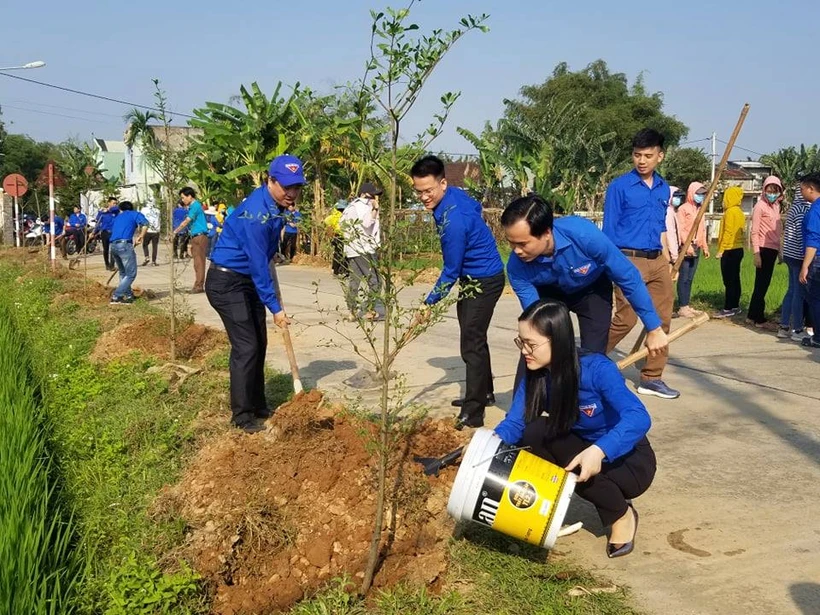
(684, 165)
(608, 103)
(789, 163)
(139, 131)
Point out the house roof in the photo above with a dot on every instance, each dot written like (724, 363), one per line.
(455, 172)
(108, 145)
(736, 173)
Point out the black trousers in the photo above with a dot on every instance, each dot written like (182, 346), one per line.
(105, 238)
(289, 245)
(763, 277)
(235, 299)
(593, 307)
(181, 244)
(625, 479)
(730, 272)
(475, 310)
(151, 239)
(339, 263)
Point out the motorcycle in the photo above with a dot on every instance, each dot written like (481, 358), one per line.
(91, 240)
(34, 234)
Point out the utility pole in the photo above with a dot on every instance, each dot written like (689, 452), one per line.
(714, 160)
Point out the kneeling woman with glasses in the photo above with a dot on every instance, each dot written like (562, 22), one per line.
(574, 409)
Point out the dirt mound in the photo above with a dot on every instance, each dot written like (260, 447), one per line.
(310, 260)
(274, 516)
(88, 294)
(150, 335)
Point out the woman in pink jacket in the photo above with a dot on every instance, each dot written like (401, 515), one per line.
(686, 220)
(765, 237)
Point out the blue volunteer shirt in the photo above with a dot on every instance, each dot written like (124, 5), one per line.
(609, 414)
(249, 240)
(105, 219)
(77, 220)
(213, 224)
(294, 218)
(59, 224)
(582, 255)
(125, 225)
(634, 213)
(180, 213)
(811, 228)
(198, 224)
(467, 245)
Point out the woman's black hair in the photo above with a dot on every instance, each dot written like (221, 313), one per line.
(126, 206)
(553, 389)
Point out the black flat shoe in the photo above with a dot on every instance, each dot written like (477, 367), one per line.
(264, 414)
(619, 550)
(457, 403)
(469, 421)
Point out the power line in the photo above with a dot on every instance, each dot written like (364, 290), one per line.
(751, 151)
(63, 108)
(72, 117)
(90, 95)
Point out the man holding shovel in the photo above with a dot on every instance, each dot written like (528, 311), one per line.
(239, 285)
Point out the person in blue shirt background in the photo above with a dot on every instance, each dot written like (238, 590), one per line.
(181, 237)
(75, 227)
(240, 285)
(196, 223)
(574, 410)
(810, 269)
(105, 222)
(213, 228)
(570, 260)
(635, 221)
(293, 217)
(59, 226)
(122, 249)
(470, 257)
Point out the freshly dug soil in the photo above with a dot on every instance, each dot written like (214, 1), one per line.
(273, 516)
(150, 335)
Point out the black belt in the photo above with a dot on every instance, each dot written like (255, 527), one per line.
(226, 270)
(122, 241)
(651, 254)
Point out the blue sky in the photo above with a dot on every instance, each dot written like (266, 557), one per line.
(707, 58)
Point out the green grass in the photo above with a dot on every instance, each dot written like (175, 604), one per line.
(708, 290)
(120, 435)
(488, 573)
(38, 570)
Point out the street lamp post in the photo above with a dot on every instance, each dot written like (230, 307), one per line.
(37, 64)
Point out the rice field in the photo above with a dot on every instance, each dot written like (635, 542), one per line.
(37, 569)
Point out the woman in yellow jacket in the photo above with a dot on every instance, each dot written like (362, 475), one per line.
(730, 249)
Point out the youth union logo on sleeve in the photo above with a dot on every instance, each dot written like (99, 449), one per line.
(588, 409)
(583, 270)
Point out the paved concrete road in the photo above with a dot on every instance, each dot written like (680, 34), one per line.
(731, 522)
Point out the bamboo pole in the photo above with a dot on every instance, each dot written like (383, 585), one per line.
(702, 210)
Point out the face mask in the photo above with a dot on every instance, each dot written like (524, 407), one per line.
(675, 201)
(772, 197)
(699, 199)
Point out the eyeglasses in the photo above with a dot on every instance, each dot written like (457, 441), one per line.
(426, 192)
(528, 347)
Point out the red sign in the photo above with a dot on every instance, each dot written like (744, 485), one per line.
(15, 185)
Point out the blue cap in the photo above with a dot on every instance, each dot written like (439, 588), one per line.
(287, 170)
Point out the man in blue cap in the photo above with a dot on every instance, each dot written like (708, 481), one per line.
(240, 286)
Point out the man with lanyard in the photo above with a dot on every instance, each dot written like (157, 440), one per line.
(122, 249)
(105, 222)
(470, 257)
(635, 221)
(198, 225)
(568, 259)
(240, 286)
(75, 227)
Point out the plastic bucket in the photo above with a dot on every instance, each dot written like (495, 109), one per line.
(513, 492)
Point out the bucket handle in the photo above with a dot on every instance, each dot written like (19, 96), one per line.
(506, 450)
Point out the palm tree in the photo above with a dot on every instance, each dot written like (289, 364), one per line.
(139, 130)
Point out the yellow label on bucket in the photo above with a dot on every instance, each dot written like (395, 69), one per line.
(526, 505)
